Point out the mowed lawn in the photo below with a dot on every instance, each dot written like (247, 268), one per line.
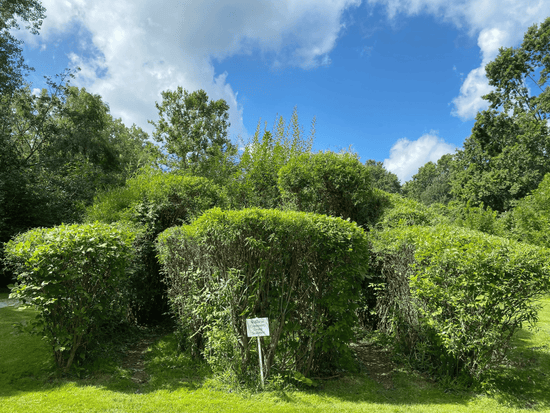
(172, 382)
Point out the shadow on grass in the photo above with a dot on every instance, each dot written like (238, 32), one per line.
(524, 379)
(26, 366)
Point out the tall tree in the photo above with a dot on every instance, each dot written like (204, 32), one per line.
(12, 65)
(62, 146)
(382, 178)
(431, 184)
(193, 130)
(508, 152)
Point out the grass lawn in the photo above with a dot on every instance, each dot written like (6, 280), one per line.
(158, 379)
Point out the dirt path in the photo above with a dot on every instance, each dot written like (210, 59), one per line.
(377, 363)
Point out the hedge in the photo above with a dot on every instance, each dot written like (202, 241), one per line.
(74, 275)
(300, 270)
(454, 297)
(156, 200)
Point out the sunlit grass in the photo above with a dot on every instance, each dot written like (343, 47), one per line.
(178, 384)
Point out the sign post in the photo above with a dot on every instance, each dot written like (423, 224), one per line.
(258, 327)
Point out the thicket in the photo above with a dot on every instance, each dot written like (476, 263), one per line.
(255, 183)
(398, 211)
(453, 297)
(530, 219)
(76, 277)
(329, 183)
(300, 270)
(155, 201)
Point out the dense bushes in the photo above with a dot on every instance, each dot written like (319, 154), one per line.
(156, 201)
(75, 276)
(399, 211)
(530, 220)
(469, 292)
(177, 198)
(300, 270)
(329, 183)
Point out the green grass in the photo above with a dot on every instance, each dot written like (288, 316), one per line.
(28, 383)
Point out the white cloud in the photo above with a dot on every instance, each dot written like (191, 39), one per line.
(407, 156)
(496, 23)
(139, 48)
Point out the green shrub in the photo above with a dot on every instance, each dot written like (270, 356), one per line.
(300, 270)
(74, 275)
(329, 183)
(469, 293)
(400, 211)
(531, 217)
(178, 199)
(255, 184)
(157, 201)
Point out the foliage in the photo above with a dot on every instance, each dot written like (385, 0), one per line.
(531, 217)
(12, 65)
(155, 200)
(298, 269)
(255, 183)
(335, 184)
(431, 184)
(57, 149)
(507, 155)
(477, 218)
(399, 211)
(503, 160)
(74, 276)
(178, 199)
(514, 70)
(382, 178)
(194, 131)
(471, 293)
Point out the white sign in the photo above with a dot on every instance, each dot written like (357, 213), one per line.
(257, 327)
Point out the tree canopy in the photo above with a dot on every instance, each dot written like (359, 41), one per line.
(508, 152)
(12, 65)
(193, 129)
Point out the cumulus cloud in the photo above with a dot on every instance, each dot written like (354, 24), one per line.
(407, 156)
(495, 23)
(136, 49)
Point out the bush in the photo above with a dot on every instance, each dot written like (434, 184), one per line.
(74, 276)
(300, 270)
(469, 293)
(255, 184)
(178, 199)
(157, 201)
(531, 217)
(329, 183)
(400, 211)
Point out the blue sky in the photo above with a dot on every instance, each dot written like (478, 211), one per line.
(398, 80)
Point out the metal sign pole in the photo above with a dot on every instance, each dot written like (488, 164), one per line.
(258, 327)
(260, 356)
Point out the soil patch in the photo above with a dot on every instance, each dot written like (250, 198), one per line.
(377, 363)
(134, 360)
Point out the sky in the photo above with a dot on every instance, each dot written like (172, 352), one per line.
(400, 81)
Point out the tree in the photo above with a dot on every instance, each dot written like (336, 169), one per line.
(194, 131)
(431, 184)
(382, 178)
(508, 152)
(12, 65)
(57, 150)
(255, 182)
